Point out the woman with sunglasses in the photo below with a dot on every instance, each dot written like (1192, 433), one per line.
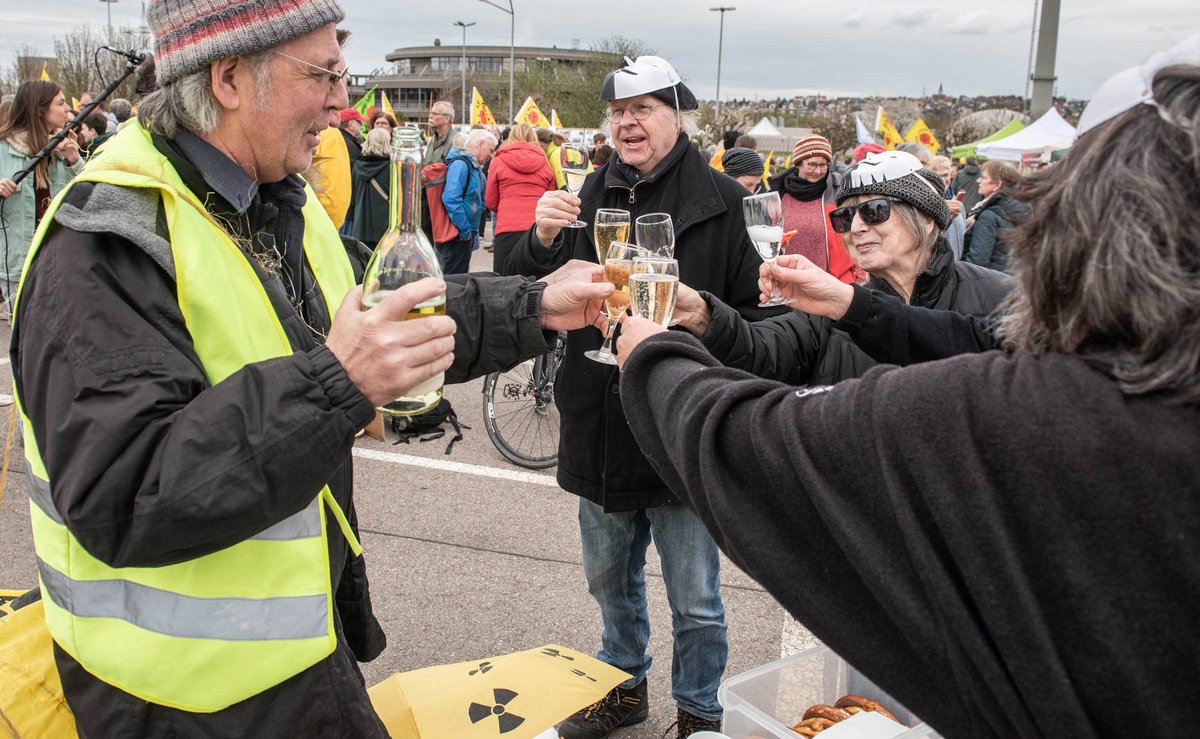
(891, 217)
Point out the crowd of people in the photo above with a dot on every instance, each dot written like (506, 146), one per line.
(1013, 531)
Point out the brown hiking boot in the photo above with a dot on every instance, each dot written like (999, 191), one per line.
(620, 707)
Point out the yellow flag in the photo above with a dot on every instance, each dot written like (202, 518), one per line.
(767, 165)
(480, 112)
(555, 124)
(387, 107)
(74, 103)
(883, 124)
(45, 76)
(530, 114)
(919, 133)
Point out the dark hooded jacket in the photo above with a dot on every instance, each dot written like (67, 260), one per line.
(371, 214)
(598, 458)
(985, 242)
(967, 179)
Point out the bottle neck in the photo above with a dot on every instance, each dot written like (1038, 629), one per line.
(404, 198)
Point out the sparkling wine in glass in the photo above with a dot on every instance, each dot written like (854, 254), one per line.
(764, 223)
(656, 234)
(574, 161)
(612, 224)
(618, 263)
(654, 284)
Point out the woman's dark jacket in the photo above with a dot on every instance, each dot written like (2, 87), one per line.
(985, 242)
(370, 216)
(598, 458)
(802, 349)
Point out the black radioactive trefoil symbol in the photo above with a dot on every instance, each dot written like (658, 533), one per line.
(484, 667)
(507, 721)
(556, 653)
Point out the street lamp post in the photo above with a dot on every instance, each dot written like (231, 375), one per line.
(512, 50)
(463, 67)
(109, 3)
(720, 43)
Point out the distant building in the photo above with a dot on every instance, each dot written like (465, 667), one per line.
(419, 75)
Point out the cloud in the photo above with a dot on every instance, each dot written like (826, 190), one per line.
(854, 20)
(913, 17)
(975, 23)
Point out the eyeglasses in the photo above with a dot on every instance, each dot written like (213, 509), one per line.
(438, 112)
(872, 212)
(333, 77)
(640, 112)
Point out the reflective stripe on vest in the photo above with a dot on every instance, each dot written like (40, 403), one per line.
(203, 634)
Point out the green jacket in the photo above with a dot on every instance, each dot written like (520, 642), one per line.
(19, 209)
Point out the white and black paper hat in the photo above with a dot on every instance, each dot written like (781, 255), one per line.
(900, 175)
(648, 75)
(1134, 86)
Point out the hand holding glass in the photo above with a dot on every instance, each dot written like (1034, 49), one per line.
(617, 264)
(764, 223)
(574, 161)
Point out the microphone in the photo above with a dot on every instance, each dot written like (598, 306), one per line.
(134, 57)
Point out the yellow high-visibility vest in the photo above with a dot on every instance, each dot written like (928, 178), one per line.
(204, 634)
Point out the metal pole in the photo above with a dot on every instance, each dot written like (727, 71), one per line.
(512, 50)
(463, 68)
(1047, 48)
(720, 47)
(110, 31)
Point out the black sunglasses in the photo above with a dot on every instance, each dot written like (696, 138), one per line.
(873, 212)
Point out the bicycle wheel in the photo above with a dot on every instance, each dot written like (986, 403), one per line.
(519, 413)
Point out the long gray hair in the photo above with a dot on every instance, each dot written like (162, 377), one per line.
(1110, 259)
(188, 102)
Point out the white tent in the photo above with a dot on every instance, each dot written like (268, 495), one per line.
(1048, 132)
(764, 128)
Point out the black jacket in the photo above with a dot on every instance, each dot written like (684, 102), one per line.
(150, 464)
(985, 242)
(598, 459)
(371, 213)
(967, 179)
(1007, 545)
(802, 349)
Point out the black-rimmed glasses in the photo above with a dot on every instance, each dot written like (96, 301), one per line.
(872, 212)
(334, 77)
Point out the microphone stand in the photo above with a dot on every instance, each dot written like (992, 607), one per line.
(134, 59)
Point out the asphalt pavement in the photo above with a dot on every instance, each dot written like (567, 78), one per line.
(470, 557)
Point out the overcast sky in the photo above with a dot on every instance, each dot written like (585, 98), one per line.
(771, 47)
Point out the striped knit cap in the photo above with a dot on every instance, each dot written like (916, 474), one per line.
(191, 34)
(813, 145)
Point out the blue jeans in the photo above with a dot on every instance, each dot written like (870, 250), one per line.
(456, 255)
(614, 562)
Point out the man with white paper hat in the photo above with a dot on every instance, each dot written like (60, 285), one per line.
(623, 503)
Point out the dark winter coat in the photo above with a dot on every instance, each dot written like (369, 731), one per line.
(985, 242)
(371, 214)
(802, 349)
(967, 179)
(598, 459)
(1005, 544)
(518, 175)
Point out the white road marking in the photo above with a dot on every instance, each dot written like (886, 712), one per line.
(460, 467)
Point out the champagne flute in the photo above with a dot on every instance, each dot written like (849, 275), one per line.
(612, 224)
(617, 264)
(574, 161)
(654, 283)
(656, 233)
(764, 223)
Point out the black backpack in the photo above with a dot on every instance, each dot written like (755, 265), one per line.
(428, 425)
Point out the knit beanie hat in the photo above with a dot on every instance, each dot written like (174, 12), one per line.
(191, 34)
(899, 175)
(813, 145)
(740, 160)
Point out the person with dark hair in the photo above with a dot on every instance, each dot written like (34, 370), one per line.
(808, 190)
(90, 129)
(601, 155)
(967, 182)
(623, 505)
(745, 166)
(729, 139)
(985, 240)
(383, 120)
(1014, 534)
(39, 110)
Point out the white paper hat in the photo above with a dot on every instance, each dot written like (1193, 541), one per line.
(1134, 86)
(648, 75)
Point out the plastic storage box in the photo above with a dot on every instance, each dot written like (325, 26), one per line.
(766, 701)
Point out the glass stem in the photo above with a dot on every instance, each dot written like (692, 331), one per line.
(606, 348)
